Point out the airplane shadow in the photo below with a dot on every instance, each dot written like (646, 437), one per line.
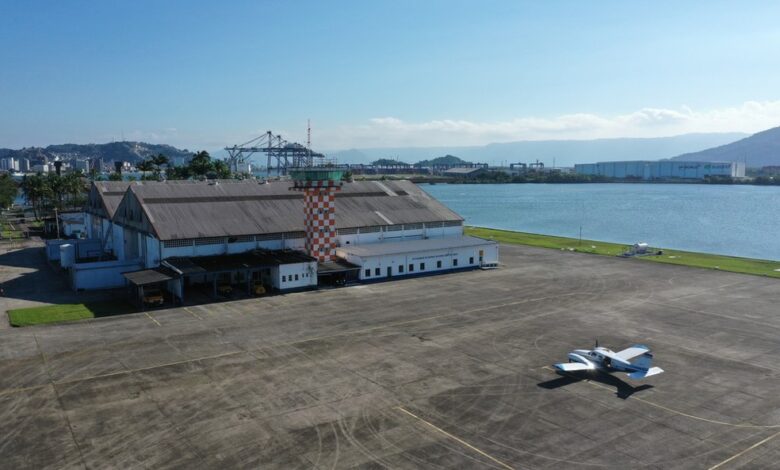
(623, 390)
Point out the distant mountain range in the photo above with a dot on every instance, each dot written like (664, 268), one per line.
(114, 151)
(761, 149)
(564, 152)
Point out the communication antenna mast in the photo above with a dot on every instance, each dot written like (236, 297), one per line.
(308, 139)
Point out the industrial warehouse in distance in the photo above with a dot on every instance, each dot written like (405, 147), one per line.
(212, 237)
(662, 170)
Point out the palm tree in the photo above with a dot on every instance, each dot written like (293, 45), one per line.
(73, 186)
(200, 164)
(160, 160)
(144, 166)
(56, 187)
(36, 191)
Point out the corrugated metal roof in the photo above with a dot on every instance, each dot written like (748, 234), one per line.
(412, 246)
(236, 208)
(111, 193)
(237, 262)
(149, 276)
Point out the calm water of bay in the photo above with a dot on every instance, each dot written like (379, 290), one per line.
(729, 220)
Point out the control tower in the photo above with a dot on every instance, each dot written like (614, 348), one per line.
(319, 185)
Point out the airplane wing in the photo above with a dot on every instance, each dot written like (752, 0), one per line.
(632, 352)
(572, 366)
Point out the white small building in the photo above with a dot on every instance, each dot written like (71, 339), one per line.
(9, 164)
(82, 165)
(73, 224)
(409, 258)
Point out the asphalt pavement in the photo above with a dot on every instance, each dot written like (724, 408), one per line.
(448, 371)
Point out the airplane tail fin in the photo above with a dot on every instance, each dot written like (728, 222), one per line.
(641, 374)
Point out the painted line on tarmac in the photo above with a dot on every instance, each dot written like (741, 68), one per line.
(186, 309)
(677, 412)
(9, 391)
(739, 454)
(455, 438)
(152, 318)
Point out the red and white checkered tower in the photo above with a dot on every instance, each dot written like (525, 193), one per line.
(319, 186)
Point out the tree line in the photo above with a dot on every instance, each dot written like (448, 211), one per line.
(8, 190)
(52, 191)
(200, 166)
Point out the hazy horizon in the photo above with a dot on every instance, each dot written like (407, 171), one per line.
(383, 75)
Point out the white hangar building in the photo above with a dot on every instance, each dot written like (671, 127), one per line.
(243, 232)
(663, 169)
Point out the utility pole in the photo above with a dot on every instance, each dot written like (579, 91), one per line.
(57, 222)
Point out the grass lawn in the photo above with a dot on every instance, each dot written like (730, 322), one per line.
(6, 231)
(66, 312)
(685, 258)
(8, 234)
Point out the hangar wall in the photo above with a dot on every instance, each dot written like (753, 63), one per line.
(101, 274)
(666, 169)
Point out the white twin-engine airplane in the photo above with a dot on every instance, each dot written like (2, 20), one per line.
(606, 360)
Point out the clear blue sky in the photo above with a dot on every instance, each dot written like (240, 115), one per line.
(203, 74)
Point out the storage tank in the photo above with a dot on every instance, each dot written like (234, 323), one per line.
(67, 255)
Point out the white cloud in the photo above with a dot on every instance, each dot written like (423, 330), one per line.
(160, 136)
(751, 116)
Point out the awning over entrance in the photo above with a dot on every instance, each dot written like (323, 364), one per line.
(336, 266)
(150, 276)
(253, 272)
(151, 287)
(237, 262)
(337, 272)
(185, 266)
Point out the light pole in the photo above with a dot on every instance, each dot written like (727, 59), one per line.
(57, 223)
